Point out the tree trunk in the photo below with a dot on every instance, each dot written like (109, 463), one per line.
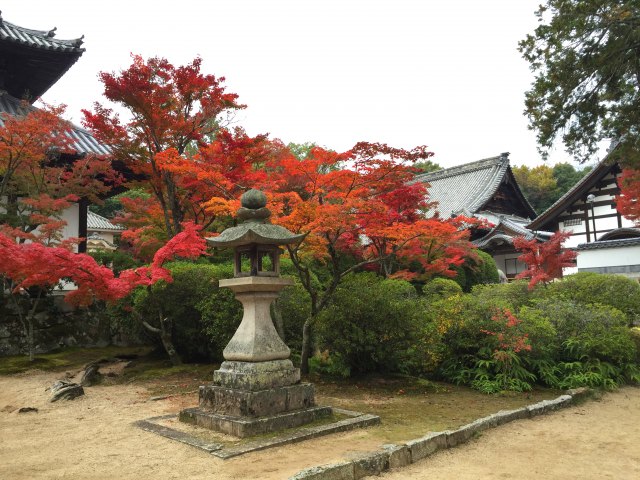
(30, 337)
(167, 341)
(306, 347)
(165, 337)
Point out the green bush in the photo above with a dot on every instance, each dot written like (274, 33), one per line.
(294, 305)
(585, 331)
(441, 288)
(477, 271)
(512, 295)
(501, 338)
(204, 316)
(372, 325)
(614, 290)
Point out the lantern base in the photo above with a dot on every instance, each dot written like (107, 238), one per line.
(261, 403)
(256, 375)
(248, 426)
(251, 398)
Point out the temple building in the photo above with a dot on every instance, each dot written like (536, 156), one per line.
(606, 241)
(487, 190)
(31, 61)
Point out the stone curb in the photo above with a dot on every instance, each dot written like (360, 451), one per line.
(395, 456)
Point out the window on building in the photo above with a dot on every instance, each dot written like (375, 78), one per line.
(513, 267)
(572, 222)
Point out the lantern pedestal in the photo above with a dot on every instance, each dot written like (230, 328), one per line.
(257, 389)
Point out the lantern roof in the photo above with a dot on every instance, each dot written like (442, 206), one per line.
(255, 228)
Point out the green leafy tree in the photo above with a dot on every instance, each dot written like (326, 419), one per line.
(543, 185)
(586, 58)
(538, 184)
(427, 166)
(567, 176)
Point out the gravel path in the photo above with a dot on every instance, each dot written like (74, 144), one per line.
(92, 437)
(595, 440)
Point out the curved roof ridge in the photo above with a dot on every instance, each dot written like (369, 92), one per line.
(491, 187)
(43, 39)
(622, 230)
(465, 168)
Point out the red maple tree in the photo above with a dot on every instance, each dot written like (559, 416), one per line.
(628, 202)
(27, 282)
(177, 143)
(41, 175)
(544, 260)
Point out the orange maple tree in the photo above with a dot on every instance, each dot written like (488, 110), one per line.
(359, 210)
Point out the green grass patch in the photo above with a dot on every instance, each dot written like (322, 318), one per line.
(66, 358)
(410, 407)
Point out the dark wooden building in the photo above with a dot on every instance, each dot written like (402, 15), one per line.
(486, 189)
(31, 61)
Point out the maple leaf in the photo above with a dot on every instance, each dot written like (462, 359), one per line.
(628, 202)
(545, 260)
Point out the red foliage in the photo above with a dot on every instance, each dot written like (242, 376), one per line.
(35, 185)
(508, 334)
(175, 141)
(544, 261)
(23, 263)
(628, 202)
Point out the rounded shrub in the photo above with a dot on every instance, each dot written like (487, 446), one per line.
(439, 288)
(479, 269)
(204, 316)
(371, 325)
(614, 290)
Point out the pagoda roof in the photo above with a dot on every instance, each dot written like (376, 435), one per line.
(82, 141)
(31, 61)
(467, 189)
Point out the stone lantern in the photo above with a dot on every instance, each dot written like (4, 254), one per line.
(257, 389)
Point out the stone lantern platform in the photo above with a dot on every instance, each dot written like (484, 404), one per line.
(257, 389)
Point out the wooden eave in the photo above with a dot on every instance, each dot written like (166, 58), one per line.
(579, 191)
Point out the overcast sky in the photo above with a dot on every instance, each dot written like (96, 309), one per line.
(442, 73)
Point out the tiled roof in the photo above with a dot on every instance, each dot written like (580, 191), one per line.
(83, 141)
(509, 224)
(465, 189)
(98, 222)
(41, 39)
(623, 242)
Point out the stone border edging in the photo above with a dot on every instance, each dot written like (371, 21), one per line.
(354, 420)
(395, 456)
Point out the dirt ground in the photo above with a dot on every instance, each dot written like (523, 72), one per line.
(595, 440)
(93, 437)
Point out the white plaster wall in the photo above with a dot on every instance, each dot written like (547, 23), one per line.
(609, 257)
(500, 262)
(70, 215)
(626, 223)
